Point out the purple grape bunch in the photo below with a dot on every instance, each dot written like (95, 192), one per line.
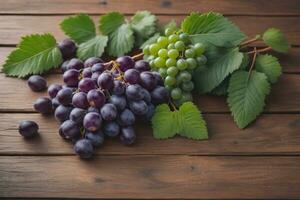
(100, 100)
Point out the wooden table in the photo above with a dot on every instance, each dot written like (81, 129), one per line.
(260, 162)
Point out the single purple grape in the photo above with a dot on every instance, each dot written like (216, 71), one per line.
(75, 63)
(98, 67)
(125, 62)
(119, 87)
(109, 112)
(91, 61)
(132, 76)
(79, 100)
(67, 48)
(159, 79)
(138, 107)
(134, 92)
(119, 101)
(92, 121)
(64, 96)
(96, 98)
(62, 113)
(159, 95)
(95, 76)
(71, 77)
(105, 81)
(64, 65)
(37, 83)
(127, 135)
(84, 149)
(87, 72)
(111, 129)
(148, 80)
(126, 118)
(86, 84)
(142, 65)
(43, 105)
(28, 129)
(96, 138)
(53, 89)
(70, 129)
(55, 103)
(77, 115)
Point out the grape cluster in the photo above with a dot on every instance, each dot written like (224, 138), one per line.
(101, 100)
(175, 58)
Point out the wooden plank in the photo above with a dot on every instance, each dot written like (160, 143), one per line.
(163, 177)
(13, 27)
(229, 7)
(270, 134)
(18, 96)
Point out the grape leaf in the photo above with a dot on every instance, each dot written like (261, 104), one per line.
(172, 25)
(245, 62)
(35, 54)
(79, 28)
(270, 66)
(221, 90)
(212, 28)
(209, 78)
(92, 48)
(151, 40)
(276, 40)
(121, 41)
(110, 22)
(246, 96)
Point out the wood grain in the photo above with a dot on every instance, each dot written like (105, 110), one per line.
(13, 27)
(284, 97)
(163, 177)
(270, 134)
(229, 7)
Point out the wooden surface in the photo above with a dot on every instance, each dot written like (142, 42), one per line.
(260, 162)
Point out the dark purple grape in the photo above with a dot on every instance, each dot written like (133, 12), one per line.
(75, 63)
(70, 129)
(151, 111)
(55, 103)
(60, 132)
(67, 48)
(118, 101)
(159, 95)
(79, 100)
(127, 135)
(93, 109)
(98, 67)
(37, 83)
(64, 96)
(77, 115)
(105, 81)
(71, 88)
(62, 113)
(116, 73)
(132, 76)
(43, 105)
(95, 76)
(126, 118)
(138, 107)
(87, 72)
(64, 65)
(28, 129)
(111, 129)
(134, 92)
(96, 98)
(71, 77)
(142, 65)
(148, 80)
(53, 90)
(86, 84)
(159, 79)
(84, 149)
(109, 112)
(125, 62)
(147, 96)
(91, 61)
(96, 138)
(119, 87)
(92, 121)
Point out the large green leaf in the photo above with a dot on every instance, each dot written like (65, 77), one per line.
(246, 96)
(34, 55)
(92, 48)
(276, 40)
(79, 28)
(212, 28)
(110, 22)
(210, 77)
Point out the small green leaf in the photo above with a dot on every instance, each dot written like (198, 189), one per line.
(276, 40)
(270, 66)
(192, 124)
(110, 22)
(207, 79)
(92, 48)
(212, 28)
(246, 96)
(121, 41)
(35, 54)
(79, 28)
(151, 40)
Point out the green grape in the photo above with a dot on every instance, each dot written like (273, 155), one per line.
(172, 71)
(176, 93)
(186, 96)
(159, 62)
(192, 63)
(179, 45)
(190, 53)
(178, 79)
(173, 38)
(170, 62)
(162, 72)
(163, 53)
(151, 63)
(169, 31)
(170, 81)
(169, 88)
(146, 50)
(187, 86)
(201, 60)
(171, 46)
(162, 41)
(153, 48)
(199, 48)
(185, 76)
(185, 38)
(181, 64)
(173, 53)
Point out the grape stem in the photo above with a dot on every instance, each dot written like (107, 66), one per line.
(245, 43)
(253, 62)
(137, 56)
(172, 105)
(260, 50)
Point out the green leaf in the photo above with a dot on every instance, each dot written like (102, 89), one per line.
(151, 40)
(172, 25)
(209, 78)
(79, 28)
(221, 90)
(35, 54)
(192, 124)
(245, 62)
(270, 66)
(110, 22)
(92, 48)
(121, 41)
(246, 96)
(276, 40)
(163, 122)
(212, 28)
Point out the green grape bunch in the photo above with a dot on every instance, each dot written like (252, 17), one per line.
(175, 58)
